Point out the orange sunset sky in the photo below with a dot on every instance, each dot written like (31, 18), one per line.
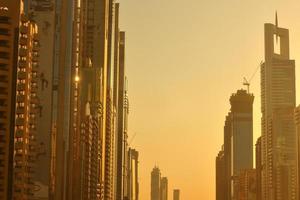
(184, 59)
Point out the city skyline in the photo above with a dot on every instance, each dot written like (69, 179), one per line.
(94, 93)
(208, 30)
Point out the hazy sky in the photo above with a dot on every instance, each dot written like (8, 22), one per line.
(184, 59)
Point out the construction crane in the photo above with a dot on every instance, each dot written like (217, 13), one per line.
(247, 82)
(132, 138)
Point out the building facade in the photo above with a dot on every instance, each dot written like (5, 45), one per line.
(164, 188)
(176, 194)
(9, 33)
(279, 147)
(155, 184)
(220, 176)
(133, 174)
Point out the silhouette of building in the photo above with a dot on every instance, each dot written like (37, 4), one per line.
(279, 147)
(176, 194)
(122, 122)
(164, 188)
(258, 168)
(227, 157)
(220, 176)
(297, 122)
(133, 174)
(155, 183)
(237, 151)
(246, 185)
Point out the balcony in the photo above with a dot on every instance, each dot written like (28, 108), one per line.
(20, 121)
(19, 145)
(23, 41)
(23, 29)
(19, 133)
(21, 87)
(20, 110)
(20, 98)
(22, 64)
(21, 75)
(23, 52)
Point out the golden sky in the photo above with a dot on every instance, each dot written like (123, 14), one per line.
(184, 59)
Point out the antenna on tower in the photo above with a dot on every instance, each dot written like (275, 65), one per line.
(247, 82)
(276, 24)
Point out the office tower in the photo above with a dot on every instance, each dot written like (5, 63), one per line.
(60, 109)
(133, 174)
(220, 176)
(238, 137)
(258, 168)
(237, 153)
(242, 130)
(297, 123)
(90, 45)
(164, 188)
(89, 155)
(155, 184)
(19, 63)
(227, 157)
(25, 146)
(122, 120)
(279, 148)
(246, 185)
(42, 12)
(176, 194)
(9, 25)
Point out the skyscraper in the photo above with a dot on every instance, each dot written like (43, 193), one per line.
(164, 188)
(26, 110)
(246, 185)
(133, 174)
(237, 153)
(279, 148)
(241, 117)
(155, 184)
(176, 194)
(220, 176)
(19, 52)
(43, 14)
(9, 26)
(258, 168)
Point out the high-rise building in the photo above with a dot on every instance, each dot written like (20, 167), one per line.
(26, 110)
(297, 122)
(164, 188)
(237, 153)
(60, 108)
(19, 52)
(176, 194)
(279, 147)
(43, 13)
(133, 174)
(258, 168)
(241, 117)
(227, 157)
(9, 26)
(246, 185)
(122, 123)
(155, 184)
(88, 85)
(220, 176)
